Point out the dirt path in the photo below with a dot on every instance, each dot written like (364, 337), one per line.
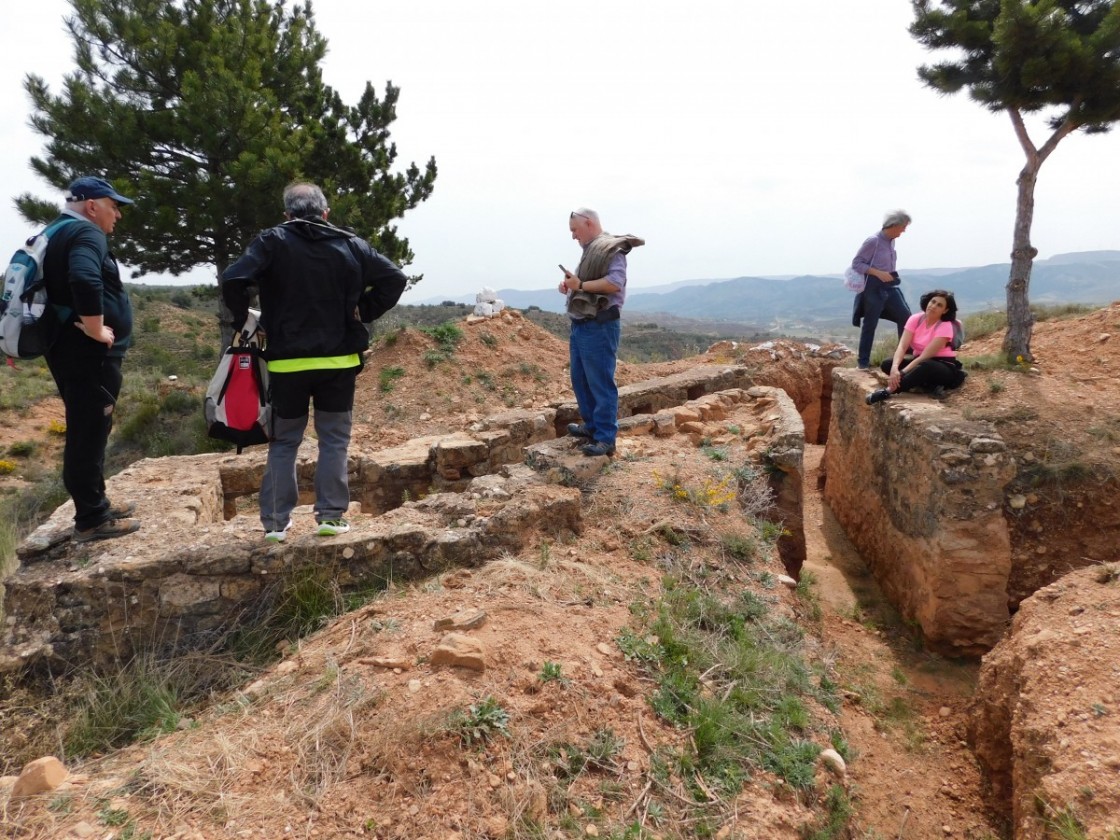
(913, 775)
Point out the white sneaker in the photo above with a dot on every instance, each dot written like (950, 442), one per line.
(333, 527)
(278, 536)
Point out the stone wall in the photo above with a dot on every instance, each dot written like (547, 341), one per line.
(920, 491)
(802, 371)
(199, 563)
(654, 395)
(388, 478)
(186, 577)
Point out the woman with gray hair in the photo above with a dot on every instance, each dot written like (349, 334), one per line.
(881, 296)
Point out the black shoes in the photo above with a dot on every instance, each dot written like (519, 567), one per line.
(122, 511)
(107, 530)
(599, 447)
(878, 396)
(579, 430)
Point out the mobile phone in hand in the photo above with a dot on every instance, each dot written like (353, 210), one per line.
(566, 272)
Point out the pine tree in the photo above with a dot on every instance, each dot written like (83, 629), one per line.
(204, 110)
(1056, 58)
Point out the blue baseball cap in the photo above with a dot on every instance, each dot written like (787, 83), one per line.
(88, 187)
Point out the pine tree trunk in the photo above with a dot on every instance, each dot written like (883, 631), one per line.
(225, 317)
(1017, 342)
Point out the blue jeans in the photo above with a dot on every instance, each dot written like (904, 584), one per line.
(593, 350)
(880, 300)
(332, 393)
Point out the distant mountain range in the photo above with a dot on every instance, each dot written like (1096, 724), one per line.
(810, 303)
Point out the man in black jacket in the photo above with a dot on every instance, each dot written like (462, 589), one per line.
(84, 287)
(312, 278)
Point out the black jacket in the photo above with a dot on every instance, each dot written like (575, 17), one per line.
(81, 275)
(312, 277)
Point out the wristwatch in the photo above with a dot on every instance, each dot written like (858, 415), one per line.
(581, 284)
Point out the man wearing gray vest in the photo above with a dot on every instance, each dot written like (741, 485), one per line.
(595, 294)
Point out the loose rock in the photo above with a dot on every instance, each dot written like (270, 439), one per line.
(39, 776)
(460, 651)
(834, 762)
(466, 620)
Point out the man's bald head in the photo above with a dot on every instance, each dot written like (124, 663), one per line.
(584, 225)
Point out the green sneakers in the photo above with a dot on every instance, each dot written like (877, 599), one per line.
(327, 528)
(333, 527)
(279, 535)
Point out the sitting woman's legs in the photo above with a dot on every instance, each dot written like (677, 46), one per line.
(932, 373)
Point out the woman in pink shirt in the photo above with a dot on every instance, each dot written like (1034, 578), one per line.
(924, 357)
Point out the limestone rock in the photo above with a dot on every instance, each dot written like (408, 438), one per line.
(466, 620)
(834, 762)
(457, 579)
(664, 425)
(39, 776)
(394, 663)
(460, 651)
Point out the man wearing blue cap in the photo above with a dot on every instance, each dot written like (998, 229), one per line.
(84, 287)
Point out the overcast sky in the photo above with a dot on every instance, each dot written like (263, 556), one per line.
(738, 138)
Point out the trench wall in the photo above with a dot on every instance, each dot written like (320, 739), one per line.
(920, 491)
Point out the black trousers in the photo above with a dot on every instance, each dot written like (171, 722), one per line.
(931, 373)
(89, 382)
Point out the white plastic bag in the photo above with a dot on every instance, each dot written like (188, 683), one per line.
(853, 280)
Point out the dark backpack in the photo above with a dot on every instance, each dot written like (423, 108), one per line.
(958, 335)
(28, 321)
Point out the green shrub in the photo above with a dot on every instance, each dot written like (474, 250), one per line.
(138, 701)
(25, 384)
(481, 722)
(298, 604)
(838, 814)
(22, 511)
(551, 672)
(447, 336)
(748, 712)
(980, 324)
(22, 449)
(387, 376)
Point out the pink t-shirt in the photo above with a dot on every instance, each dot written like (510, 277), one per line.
(924, 334)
